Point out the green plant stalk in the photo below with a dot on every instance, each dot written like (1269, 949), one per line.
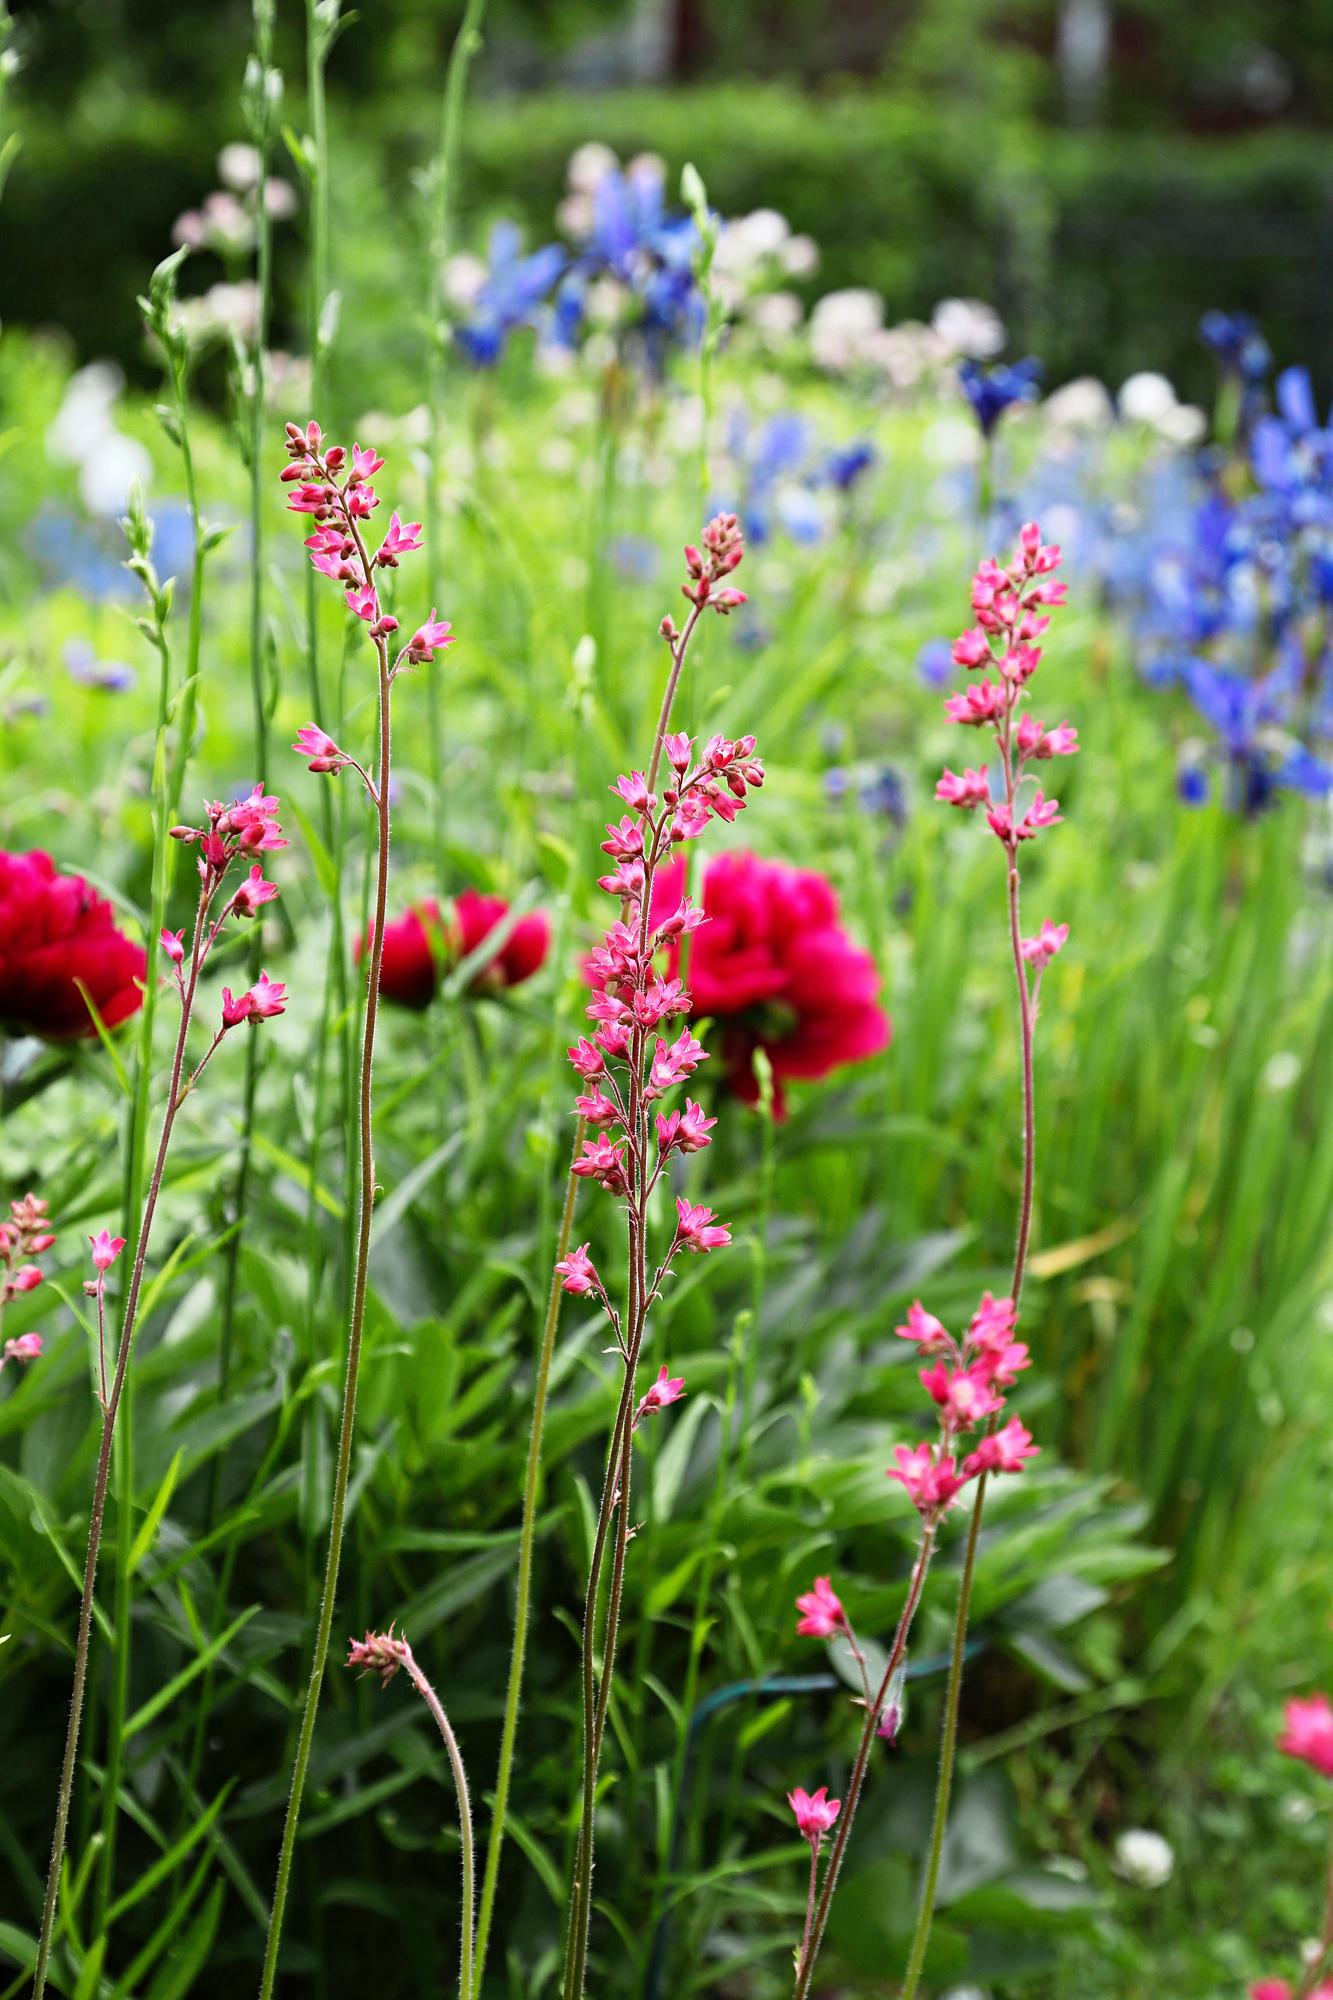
(444, 178)
(954, 1690)
(262, 132)
(175, 1098)
(169, 780)
(361, 1276)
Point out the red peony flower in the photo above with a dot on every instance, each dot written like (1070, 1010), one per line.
(776, 970)
(420, 942)
(55, 930)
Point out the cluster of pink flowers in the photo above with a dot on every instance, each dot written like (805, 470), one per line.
(230, 833)
(633, 1059)
(25, 1235)
(1012, 605)
(379, 1653)
(964, 1382)
(333, 486)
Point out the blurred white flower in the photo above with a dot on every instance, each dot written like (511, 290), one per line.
(907, 353)
(1081, 405)
(1146, 399)
(969, 327)
(776, 315)
(799, 256)
(239, 167)
(1184, 425)
(841, 325)
(220, 311)
(84, 434)
(1143, 1857)
(589, 166)
(464, 277)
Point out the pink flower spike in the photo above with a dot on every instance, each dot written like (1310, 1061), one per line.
(822, 1615)
(931, 1334)
(399, 541)
(666, 1389)
(25, 1347)
(696, 1230)
(969, 791)
(815, 1813)
(173, 944)
(1308, 1732)
(1040, 950)
(577, 1272)
(105, 1249)
(322, 751)
(429, 639)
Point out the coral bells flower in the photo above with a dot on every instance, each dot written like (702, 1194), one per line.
(577, 1272)
(696, 1230)
(173, 944)
(379, 1653)
(1005, 1450)
(666, 1389)
(1040, 950)
(932, 1484)
(253, 893)
(972, 789)
(604, 1163)
(322, 751)
(400, 541)
(264, 999)
(822, 1615)
(930, 1334)
(773, 966)
(105, 1249)
(24, 1347)
(1308, 1732)
(57, 935)
(815, 1813)
(428, 640)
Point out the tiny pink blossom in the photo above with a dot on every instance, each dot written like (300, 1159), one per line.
(971, 649)
(687, 1130)
(363, 602)
(696, 1229)
(587, 1059)
(815, 1812)
(577, 1272)
(399, 541)
(822, 1615)
(25, 1279)
(666, 1389)
(105, 1249)
(24, 1347)
(1308, 1732)
(253, 893)
(930, 1333)
(1040, 950)
(594, 1107)
(969, 790)
(930, 1483)
(982, 702)
(678, 749)
(429, 639)
(366, 462)
(993, 1322)
(173, 944)
(604, 1163)
(1006, 1450)
(267, 998)
(380, 1653)
(963, 1394)
(634, 791)
(235, 1008)
(321, 749)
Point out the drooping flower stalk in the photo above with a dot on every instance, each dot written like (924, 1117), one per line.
(228, 834)
(626, 1067)
(679, 644)
(382, 1653)
(967, 1376)
(333, 488)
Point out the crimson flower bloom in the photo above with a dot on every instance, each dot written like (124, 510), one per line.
(775, 968)
(55, 933)
(421, 941)
(822, 1615)
(815, 1812)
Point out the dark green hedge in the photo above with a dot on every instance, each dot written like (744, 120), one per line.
(1102, 252)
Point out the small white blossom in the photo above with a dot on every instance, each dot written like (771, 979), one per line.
(1144, 1858)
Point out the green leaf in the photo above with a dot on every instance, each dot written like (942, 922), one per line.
(1049, 1659)
(152, 1521)
(164, 1697)
(177, 1976)
(168, 1862)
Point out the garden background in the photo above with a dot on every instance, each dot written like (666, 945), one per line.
(1103, 175)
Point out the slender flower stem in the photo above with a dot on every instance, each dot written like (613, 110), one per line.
(857, 1780)
(523, 1598)
(111, 1406)
(809, 1902)
(468, 1923)
(366, 1201)
(954, 1688)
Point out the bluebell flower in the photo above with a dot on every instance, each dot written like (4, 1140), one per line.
(1237, 342)
(993, 390)
(845, 466)
(514, 287)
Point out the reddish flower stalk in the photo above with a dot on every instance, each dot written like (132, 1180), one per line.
(228, 834)
(626, 1067)
(333, 487)
(966, 1377)
(382, 1653)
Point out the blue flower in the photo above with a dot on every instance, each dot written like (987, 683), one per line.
(844, 467)
(632, 239)
(772, 463)
(514, 287)
(1238, 344)
(991, 391)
